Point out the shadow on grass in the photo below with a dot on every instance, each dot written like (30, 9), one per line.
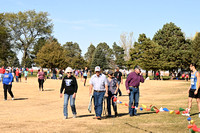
(194, 114)
(81, 116)
(146, 113)
(20, 98)
(49, 89)
(123, 95)
(110, 117)
(138, 128)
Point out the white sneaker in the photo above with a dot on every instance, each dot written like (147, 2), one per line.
(13, 98)
(65, 117)
(187, 114)
(199, 115)
(74, 116)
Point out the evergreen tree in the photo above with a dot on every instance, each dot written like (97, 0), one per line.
(89, 54)
(103, 55)
(146, 53)
(171, 38)
(119, 55)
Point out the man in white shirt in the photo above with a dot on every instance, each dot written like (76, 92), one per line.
(100, 86)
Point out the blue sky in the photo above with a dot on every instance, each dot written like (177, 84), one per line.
(95, 21)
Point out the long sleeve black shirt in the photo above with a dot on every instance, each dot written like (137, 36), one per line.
(70, 85)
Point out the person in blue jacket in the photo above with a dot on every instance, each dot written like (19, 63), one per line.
(7, 84)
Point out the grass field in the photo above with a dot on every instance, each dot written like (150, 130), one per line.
(34, 111)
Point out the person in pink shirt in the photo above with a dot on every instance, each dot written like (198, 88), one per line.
(17, 75)
(41, 79)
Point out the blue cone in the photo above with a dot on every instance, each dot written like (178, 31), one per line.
(189, 118)
(165, 109)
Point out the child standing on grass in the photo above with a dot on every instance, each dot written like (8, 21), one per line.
(26, 75)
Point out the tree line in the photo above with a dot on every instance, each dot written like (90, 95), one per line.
(30, 32)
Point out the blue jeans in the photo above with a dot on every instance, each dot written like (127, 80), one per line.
(98, 102)
(109, 99)
(72, 104)
(17, 78)
(120, 93)
(133, 96)
(54, 76)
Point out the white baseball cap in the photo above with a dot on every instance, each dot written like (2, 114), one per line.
(97, 69)
(68, 69)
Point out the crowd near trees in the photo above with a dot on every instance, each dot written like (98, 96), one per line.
(30, 32)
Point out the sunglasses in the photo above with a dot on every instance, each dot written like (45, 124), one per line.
(69, 72)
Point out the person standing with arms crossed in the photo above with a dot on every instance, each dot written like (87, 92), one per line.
(7, 84)
(118, 75)
(194, 91)
(99, 84)
(132, 87)
(70, 85)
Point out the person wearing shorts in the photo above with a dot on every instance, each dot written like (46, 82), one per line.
(85, 75)
(194, 91)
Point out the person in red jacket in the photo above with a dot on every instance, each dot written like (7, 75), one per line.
(2, 71)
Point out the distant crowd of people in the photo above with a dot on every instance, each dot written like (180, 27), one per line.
(100, 86)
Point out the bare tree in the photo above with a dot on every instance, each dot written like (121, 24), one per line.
(126, 41)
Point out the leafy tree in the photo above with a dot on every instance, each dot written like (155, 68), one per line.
(6, 51)
(52, 55)
(119, 55)
(171, 38)
(27, 62)
(102, 57)
(13, 61)
(26, 27)
(88, 56)
(39, 44)
(196, 50)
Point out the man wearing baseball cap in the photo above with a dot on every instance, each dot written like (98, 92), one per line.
(132, 86)
(100, 88)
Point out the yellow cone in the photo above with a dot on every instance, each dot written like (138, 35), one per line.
(192, 121)
(171, 112)
(144, 106)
